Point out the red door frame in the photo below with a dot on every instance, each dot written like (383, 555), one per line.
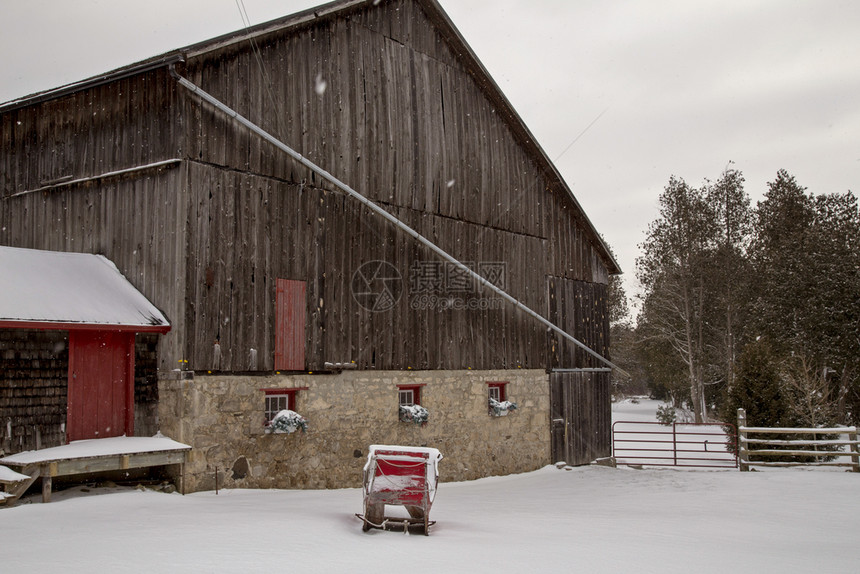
(100, 401)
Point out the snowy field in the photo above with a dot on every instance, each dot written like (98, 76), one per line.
(588, 520)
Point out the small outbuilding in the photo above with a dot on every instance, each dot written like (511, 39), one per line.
(72, 312)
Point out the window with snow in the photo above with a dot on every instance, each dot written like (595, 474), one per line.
(497, 391)
(277, 400)
(409, 401)
(497, 399)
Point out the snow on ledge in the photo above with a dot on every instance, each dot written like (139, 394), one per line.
(97, 447)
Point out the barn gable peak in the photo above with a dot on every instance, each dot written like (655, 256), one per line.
(341, 9)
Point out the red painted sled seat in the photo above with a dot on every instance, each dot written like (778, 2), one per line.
(399, 476)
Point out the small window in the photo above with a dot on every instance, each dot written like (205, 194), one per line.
(409, 401)
(409, 395)
(497, 391)
(277, 400)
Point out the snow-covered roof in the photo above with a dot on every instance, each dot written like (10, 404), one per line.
(67, 289)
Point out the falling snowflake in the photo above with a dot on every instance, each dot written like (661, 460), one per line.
(320, 85)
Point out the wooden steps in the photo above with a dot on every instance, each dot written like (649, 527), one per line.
(13, 487)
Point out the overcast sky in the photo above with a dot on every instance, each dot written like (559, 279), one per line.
(668, 87)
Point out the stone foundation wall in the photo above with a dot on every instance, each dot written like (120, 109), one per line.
(222, 418)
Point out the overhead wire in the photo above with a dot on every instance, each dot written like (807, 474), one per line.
(258, 54)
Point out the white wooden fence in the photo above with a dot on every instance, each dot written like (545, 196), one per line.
(847, 443)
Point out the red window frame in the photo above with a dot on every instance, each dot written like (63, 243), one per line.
(503, 390)
(416, 394)
(268, 411)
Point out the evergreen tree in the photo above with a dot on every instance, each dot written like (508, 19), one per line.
(692, 269)
(672, 271)
(730, 272)
(833, 322)
(626, 354)
(757, 388)
(718, 276)
(806, 257)
(781, 256)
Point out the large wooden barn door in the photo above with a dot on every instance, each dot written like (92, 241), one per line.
(581, 416)
(101, 385)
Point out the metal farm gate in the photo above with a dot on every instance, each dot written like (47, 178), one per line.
(581, 415)
(651, 443)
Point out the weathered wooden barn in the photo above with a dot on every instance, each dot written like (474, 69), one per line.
(284, 292)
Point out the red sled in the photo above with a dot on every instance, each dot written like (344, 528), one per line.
(399, 476)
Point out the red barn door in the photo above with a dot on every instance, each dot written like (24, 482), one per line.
(290, 305)
(101, 384)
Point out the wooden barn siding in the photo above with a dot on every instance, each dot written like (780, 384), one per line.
(246, 232)
(146, 384)
(393, 122)
(579, 307)
(249, 231)
(399, 125)
(138, 223)
(407, 126)
(123, 124)
(433, 337)
(581, 401)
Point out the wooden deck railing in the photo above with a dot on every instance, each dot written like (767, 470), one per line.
(814, 448)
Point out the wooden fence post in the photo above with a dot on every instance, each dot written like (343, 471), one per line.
(743, 455)
(855, 448)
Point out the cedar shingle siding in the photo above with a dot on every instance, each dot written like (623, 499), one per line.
(33, 381)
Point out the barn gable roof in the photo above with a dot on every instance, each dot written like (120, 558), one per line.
(343, 8)
(55, 290)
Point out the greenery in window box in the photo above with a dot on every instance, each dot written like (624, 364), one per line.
(414, 413)
(288, 421)
(501, 408)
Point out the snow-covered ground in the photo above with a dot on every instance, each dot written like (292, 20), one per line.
(588, 519)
